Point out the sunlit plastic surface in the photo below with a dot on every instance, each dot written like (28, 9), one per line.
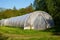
(38, 20)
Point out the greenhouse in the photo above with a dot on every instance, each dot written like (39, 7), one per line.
(38, 20)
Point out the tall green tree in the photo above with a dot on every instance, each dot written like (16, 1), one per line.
(51, 7)
(40, 5)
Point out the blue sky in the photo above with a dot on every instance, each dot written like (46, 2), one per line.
(17, 3)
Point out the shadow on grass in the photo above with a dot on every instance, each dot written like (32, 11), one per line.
(2, 37)
(15, 27)
(55, 30)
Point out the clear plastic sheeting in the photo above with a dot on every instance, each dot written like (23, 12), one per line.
(38, 20)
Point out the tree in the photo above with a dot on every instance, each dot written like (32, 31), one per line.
(51, 7)
(26, 10)
(40, 5)
(15, 11)
(14, 8)
(29, 8)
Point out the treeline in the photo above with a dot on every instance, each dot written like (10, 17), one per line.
(50, 6)
(14, 12)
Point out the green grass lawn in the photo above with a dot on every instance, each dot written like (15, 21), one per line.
(10, 33)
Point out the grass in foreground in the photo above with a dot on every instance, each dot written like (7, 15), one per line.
(18, 34)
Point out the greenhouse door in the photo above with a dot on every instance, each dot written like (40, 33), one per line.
(39, 23)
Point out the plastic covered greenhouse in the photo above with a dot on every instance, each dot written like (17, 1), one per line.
(38, 20)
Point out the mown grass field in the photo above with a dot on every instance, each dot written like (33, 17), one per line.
(9, 33)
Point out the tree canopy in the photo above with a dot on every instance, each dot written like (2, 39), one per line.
(14, 12)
